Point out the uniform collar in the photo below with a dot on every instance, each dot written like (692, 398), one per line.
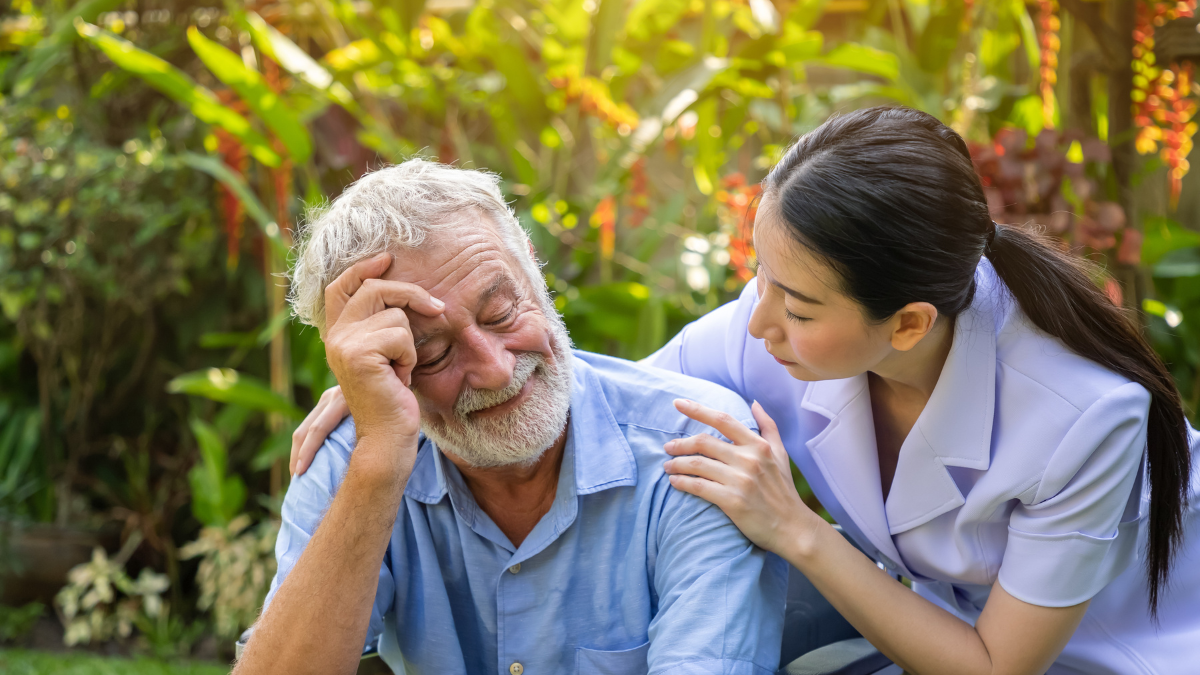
(955, 429)
(602, 457)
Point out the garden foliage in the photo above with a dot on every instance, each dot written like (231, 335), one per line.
(157, 159)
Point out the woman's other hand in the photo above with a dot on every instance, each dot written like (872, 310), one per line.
(749, 479)
(308, 437)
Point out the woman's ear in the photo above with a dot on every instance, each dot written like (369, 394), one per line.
(912, 323)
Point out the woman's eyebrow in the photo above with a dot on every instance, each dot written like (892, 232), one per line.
(759, 266)
(796, 294)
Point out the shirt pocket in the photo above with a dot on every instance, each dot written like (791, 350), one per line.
(623, 662)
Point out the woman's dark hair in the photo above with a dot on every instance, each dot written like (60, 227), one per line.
(890, 199)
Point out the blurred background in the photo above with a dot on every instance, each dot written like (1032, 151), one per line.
(156, 155)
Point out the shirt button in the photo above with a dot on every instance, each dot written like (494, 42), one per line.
(516, 668)
(514, 569)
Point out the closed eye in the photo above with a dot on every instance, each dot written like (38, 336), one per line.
(797, 319)
(438, 360)
(502, 320)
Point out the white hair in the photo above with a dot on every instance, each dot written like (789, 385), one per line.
(393, 208)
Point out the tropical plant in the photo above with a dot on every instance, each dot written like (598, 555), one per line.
(236, 567)
(101, 601)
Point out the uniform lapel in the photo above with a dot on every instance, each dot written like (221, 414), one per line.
(954, 429)
(846, 456)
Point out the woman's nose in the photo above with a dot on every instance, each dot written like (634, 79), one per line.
(762, 322)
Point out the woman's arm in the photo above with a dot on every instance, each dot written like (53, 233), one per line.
(1010, 636)
(316, 427)
(751, 481)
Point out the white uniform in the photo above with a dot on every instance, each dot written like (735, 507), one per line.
(1026, 467)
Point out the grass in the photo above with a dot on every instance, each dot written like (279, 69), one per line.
(24, 662)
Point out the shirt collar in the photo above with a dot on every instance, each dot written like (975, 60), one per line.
(602, 457)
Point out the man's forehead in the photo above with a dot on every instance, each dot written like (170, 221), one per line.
(449, 258)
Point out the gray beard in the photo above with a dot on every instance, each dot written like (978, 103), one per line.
(524, 434)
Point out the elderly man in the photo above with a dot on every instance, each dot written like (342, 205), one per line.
(495, 503)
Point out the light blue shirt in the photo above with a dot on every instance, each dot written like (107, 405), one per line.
(623, 575)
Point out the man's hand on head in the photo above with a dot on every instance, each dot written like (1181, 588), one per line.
(369, 347)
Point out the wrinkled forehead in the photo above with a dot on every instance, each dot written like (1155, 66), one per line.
(459, 260)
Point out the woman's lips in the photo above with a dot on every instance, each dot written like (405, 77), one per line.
(782, 362)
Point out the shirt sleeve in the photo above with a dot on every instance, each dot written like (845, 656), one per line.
(1079, 529)
(712, 347)
(720, 598)
(304, 506)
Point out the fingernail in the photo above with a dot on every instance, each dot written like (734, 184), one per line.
(669, 445)
(437, 303)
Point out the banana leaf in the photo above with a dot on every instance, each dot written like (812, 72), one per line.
(254, 90)
(176, 84)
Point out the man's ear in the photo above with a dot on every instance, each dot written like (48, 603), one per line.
(912, 323)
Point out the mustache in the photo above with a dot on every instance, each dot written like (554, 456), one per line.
(471, 400)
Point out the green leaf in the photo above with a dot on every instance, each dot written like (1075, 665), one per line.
(286, 53)
(607, 312)
(229, 386)
(18, 444)
(805, 13)
(995, 46)
(254, 208)
(1164, 235)
(277, 446)
(216, 498)
(1028, 33)
(253, 89)
(179, 87)
(522, 87)
(212, 449)
(864, 59)
(1027, 113)
(605, 25)
(800, 46)
(940, 37)
(710, 153)
(50, 50)
(650, 18)
(1179, 263)
(358, 55)
(296, 61)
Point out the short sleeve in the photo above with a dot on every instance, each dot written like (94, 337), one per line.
(721, 599)
(1079, 530)
(712, 347)
(304, 506)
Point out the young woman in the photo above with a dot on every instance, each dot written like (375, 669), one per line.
(964, 401)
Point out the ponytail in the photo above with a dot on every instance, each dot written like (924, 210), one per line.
(1055, 290)
(889, 197)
